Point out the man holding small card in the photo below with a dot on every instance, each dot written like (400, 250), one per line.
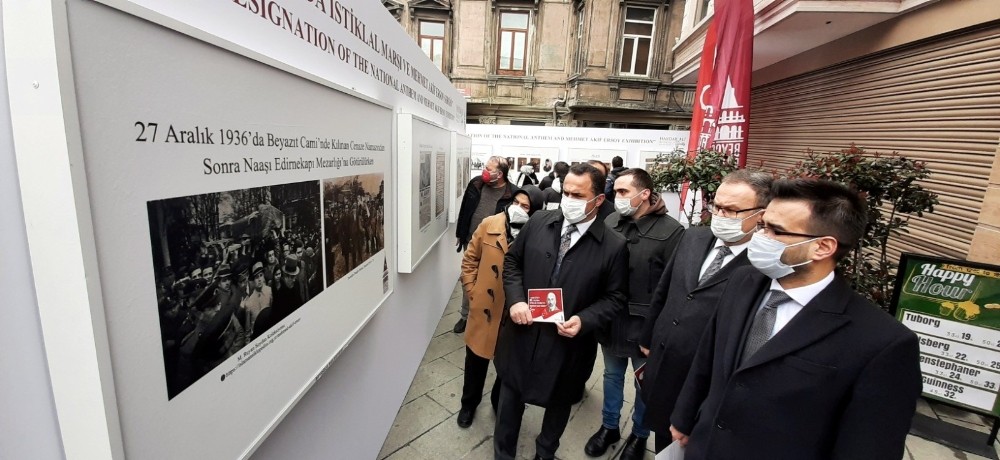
(548, 364)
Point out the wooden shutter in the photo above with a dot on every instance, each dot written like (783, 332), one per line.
(936, 100)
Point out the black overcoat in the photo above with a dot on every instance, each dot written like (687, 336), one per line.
(651, 243)
(839, 381)
(678, 313)
(545, 367)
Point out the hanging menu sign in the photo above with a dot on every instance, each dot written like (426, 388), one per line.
(954, 308)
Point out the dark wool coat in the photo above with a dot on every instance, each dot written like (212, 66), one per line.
(545, 367)
(651, 243)
(839, 381)
(678, 313)
(470, 200)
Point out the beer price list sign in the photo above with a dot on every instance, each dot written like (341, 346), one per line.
(954, 308)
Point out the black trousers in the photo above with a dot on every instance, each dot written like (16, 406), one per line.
(476, 368)
(508, 425)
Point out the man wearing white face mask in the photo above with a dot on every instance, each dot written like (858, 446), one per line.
(688, 291)
(796, 365)
(652, 236)
(548, 364)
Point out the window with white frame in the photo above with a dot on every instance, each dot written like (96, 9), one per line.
(637, 41)
(512, 50)
(703, 8)
(431, 38)
(580, 51)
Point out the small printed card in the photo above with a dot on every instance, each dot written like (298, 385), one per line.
(546, 305)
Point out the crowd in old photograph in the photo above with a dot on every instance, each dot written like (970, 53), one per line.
(228, 267)
(354, 216)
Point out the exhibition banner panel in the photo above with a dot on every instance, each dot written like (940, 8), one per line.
(954, 308)
(421, 176)
(548, 144)
(540, 159)
(461, 172)
(354, 45)
(240, 229)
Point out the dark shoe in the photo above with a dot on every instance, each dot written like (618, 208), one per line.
(600, 441)
(465, 417)
(635, 448)
(459, 327)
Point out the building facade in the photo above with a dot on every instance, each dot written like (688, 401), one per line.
(590, 63)
(917, 77)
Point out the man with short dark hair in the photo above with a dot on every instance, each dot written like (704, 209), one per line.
(551, 185)
(549, 364)
(652, 235)
(617, 167)
(688, 292)
(607, 207)
(486, 195)
(796, 365)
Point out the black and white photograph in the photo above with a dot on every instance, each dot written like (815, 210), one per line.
(353, 219)
(425, 188)
(228, 266)
(440, 173)
(464, 175)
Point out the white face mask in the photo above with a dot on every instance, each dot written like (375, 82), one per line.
(765, 255)
(575, 209)
(624, 205)
(516, 214)
(730, 229)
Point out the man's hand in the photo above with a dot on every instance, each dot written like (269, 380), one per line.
(678, 436)
(644, 350)
(520, 313)
(570, 328)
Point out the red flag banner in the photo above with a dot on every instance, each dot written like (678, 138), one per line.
(721, 117)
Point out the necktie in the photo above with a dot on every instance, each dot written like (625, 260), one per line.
(563, 248)
(763, 324)
(716, 264)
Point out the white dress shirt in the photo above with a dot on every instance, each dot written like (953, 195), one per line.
(736, 250)
(581, 228)
(800, 297)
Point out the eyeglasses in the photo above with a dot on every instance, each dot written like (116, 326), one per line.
(761, 226)
(725, 212)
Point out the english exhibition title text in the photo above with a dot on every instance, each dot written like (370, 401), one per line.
(279, 16)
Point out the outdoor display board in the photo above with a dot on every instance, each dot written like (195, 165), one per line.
(207, 188)
(461, 172)
(275, 187)
(542, 146)
(954, 308)
(421, 177)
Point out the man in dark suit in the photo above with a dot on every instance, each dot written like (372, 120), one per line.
(689, 289)
(549, 364)
(796, 365)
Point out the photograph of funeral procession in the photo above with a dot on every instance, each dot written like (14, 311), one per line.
(228, 266)
(354, 213)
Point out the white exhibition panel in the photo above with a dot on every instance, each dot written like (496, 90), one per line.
(571, 144)
(218, 145)
(423, 150)
(172, 126)
(351, 44)
(461, 172)
(582, 155)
